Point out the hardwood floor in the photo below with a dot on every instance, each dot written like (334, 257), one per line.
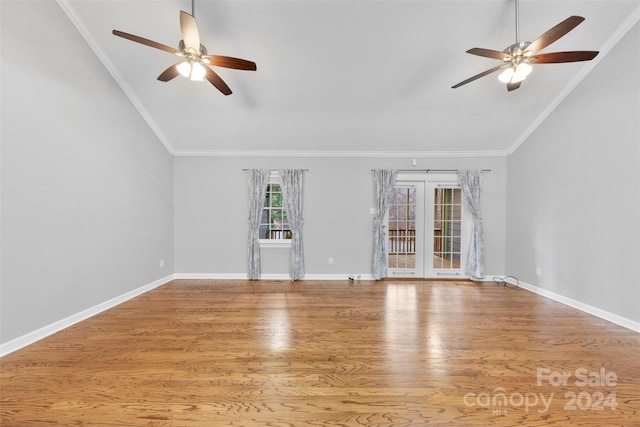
(406, 353)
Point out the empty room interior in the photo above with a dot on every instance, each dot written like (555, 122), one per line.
(320, 213)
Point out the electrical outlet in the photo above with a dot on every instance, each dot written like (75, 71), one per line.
(330, 260)
(539, 271)
(161, 263)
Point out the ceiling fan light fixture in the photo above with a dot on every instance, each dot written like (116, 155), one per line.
(192, 70)
(197, 72)
(506, 75)
(184, 68)
(515, 74)
(521, 72)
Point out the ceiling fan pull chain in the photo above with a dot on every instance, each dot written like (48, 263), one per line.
(517, 22)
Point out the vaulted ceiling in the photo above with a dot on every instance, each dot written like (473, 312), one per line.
(349, 77)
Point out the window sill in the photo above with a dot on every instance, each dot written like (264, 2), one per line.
(266, 243)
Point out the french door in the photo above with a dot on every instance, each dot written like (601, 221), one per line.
(405, 230)
(446, 231)
(427, 228)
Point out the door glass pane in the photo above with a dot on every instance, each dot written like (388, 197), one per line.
(447, 228)
(402, 233)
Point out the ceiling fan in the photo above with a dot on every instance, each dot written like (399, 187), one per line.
(195, 60)
(517, 58)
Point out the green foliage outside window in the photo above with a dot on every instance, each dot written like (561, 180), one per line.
(275, 224)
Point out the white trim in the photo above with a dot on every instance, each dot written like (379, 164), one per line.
(356, 277)
(603, 314)
(341, 154)
(628, 23)
(275, 243)
(419, 184)
(32, 337)
(274, 179)
(487, 278)
(111, 68)
(243, 276)
(211, 276)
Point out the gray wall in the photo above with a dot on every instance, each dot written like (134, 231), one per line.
(574, 191)
(87, 188)
(211, 212)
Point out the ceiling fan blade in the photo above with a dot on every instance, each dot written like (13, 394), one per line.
(555, 33)
(144, 41)
(217, 81)
(513, 86)
(169, 73)
(189, 28)
(488, 53)
(559, 57)
(235, 63)
(477, 76)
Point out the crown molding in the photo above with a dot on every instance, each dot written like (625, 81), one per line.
(620, 32)
(111, 68)
(342, 154)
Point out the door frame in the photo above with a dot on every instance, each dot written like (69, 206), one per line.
(419, 270)
(433, 182)
(424, 239)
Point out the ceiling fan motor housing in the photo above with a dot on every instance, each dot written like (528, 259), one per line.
(517, 49)
(203, 50)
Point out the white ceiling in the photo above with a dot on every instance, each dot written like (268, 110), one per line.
(358, 77)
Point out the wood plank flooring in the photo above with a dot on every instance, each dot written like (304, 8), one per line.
(405, 353)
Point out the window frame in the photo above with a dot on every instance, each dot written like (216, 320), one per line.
(274, 179)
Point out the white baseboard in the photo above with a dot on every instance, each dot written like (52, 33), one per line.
(243, 276)
(212, 276)
(31, 337)
(489, 278)
(603, 314)
(355, 277)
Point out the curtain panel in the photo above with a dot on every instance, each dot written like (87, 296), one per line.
(384, 180)
(471, 182)
(258, 180)
(292, 197)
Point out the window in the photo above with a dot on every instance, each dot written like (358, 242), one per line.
(447, 227)
(274, 224)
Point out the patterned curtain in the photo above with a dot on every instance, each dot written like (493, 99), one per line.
(471, 182)
(384, 181)
(258, 180)
(292, 196)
